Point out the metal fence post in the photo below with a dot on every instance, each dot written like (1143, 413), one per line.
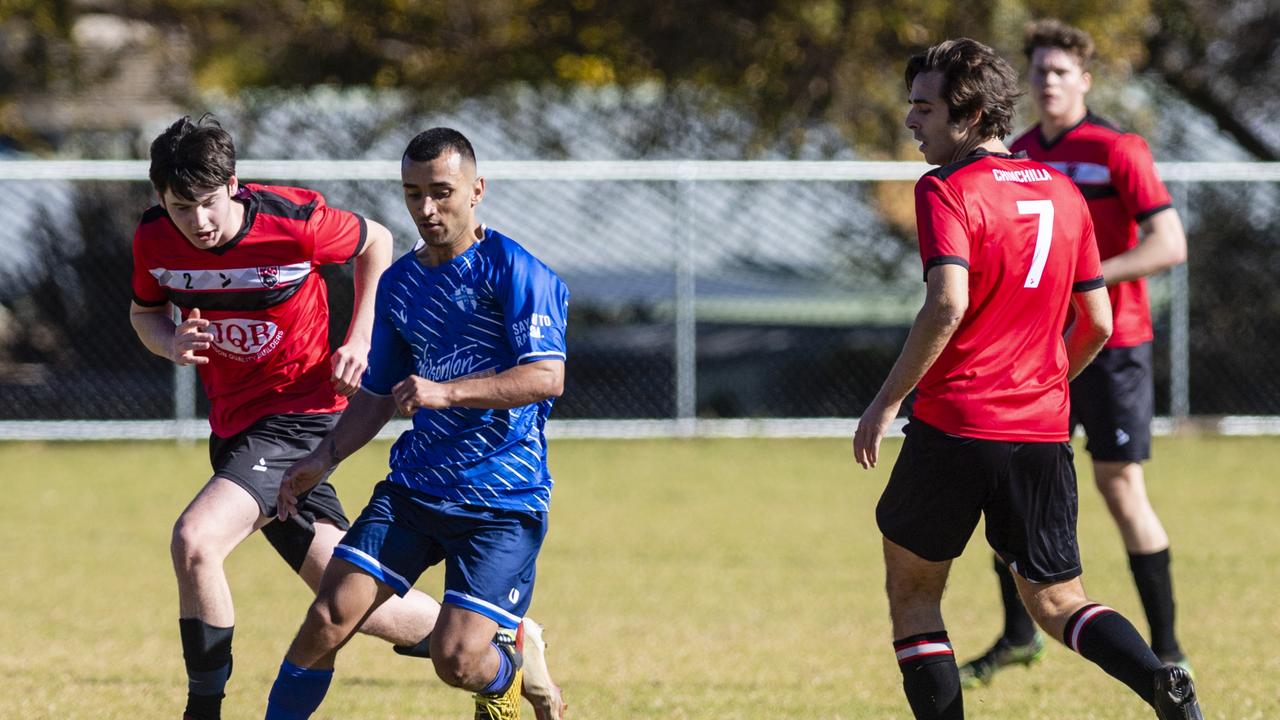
(686, 353)
(1180, 331)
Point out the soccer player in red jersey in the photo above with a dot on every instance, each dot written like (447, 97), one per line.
(1113, 398)
(239, 262)
(1007, 246)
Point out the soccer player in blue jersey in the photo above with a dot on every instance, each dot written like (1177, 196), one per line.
(468, 339)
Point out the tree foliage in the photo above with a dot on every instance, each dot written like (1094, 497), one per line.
(786, 63)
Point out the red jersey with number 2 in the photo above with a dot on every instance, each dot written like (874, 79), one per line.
(267, 308)
(1024, 233)
(1118, 179)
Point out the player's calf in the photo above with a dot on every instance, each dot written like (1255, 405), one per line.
(297, 692)
(500, 698)
(929, 676)
(206, 651)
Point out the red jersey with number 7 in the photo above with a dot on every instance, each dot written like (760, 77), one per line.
(267, 308)
(1024, 233)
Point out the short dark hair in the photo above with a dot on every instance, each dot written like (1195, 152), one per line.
(192, 156)
(975, 79)
(430, 144)
(1053, 33)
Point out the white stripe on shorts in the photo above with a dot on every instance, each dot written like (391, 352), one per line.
(456, 596)
(404, 584)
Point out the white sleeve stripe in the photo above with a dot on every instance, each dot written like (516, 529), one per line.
(546, 353)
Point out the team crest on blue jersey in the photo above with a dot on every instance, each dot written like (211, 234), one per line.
(465, 298)
(269, 275)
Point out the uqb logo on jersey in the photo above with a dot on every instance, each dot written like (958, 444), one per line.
(243, 339)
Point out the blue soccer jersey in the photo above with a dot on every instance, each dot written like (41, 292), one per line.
(489, 309)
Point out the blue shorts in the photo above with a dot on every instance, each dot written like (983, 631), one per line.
(489, 554)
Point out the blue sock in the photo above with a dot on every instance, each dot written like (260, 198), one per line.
(506, 671)
(297, 692)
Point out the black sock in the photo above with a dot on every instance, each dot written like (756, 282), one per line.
(1155, 587)
(930, 677)
(1019, 628)
(421, 649)
(207, 652)
(1106, 638)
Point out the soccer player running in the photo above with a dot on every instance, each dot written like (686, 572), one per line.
(1007, 246)
(239, 262)
(1113, 397)
(468, 339)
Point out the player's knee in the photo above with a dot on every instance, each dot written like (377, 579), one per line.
(459, 667)
(1051, 611)
(188, 545)
(327, 618)
(1125, 500)
(453, 670)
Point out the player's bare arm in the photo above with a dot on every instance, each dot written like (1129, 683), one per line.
(178, 343)
(349, 361)
(521, 385)
(360, 422)
(946, 299)
(1162, 245)
(1090, 331)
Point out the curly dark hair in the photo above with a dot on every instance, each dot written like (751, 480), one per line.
(1052, 33)
(975, 79)
(192, 156)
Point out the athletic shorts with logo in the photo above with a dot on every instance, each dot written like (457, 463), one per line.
(942, 483)
(256, 458)
(1114, 399)
(490, 554)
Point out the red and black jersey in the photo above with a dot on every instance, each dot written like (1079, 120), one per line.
(1117, 177)
(1024, 233)
(268, 308)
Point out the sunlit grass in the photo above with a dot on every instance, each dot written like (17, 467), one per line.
(680, 579)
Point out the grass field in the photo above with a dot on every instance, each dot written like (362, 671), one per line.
(681, 579)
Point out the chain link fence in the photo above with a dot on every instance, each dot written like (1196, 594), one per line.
(699, 290)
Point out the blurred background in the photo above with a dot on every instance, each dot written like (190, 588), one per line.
(757, 293)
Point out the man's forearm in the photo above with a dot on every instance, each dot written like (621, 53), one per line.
(1083, 345)
(1139, 262)
(1090, 330)
(155, 331)
(521, 385)
(365, 415)
(929, 335)
(369, 266)
(1163, 245)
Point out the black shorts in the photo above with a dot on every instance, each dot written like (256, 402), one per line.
(256, 458)
(942, 483)
(1114, 399)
